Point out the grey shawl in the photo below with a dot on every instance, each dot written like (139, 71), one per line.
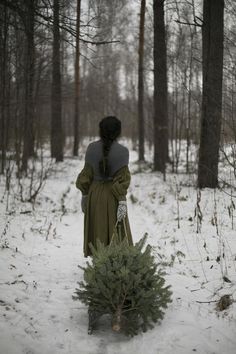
(118, 157)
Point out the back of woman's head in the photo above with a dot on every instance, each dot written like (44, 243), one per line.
(110, 129)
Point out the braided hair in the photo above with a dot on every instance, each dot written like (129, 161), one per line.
(110, 129)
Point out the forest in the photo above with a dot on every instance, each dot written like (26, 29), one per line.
(167, 70)
(64, 66)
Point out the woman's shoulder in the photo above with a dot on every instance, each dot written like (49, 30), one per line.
(94, 144)
(93, 149)
(121, 148)
(119, 154)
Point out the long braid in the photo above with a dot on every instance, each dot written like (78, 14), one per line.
(110, 128)
(106, 148)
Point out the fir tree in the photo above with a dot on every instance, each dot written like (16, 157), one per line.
(125, 281)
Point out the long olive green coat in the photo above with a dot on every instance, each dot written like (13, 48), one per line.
(102, 203)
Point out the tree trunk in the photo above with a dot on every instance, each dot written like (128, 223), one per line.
(18, 115)
(212, 42)
(190, 79)
(28, 132)
(141, 81)
(77, 82)
(160, 88)
(3, 68)
(56, 109)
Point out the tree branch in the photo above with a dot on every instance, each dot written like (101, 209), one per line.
(195, 23)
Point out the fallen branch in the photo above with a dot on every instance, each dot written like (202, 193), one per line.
(206, 302)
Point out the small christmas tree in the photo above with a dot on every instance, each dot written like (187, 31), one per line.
(124, 281)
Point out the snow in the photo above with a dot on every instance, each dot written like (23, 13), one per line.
(42, 246)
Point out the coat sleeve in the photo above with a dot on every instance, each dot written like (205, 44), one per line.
(85, 179)
(121, 182)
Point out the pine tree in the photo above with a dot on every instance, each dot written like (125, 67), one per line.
(125, 282)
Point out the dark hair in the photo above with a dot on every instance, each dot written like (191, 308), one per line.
(110, 129)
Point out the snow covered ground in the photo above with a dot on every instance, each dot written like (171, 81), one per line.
(41, 247)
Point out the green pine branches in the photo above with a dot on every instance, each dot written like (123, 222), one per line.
(124, 281)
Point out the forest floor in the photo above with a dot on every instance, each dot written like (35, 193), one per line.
(41, 248)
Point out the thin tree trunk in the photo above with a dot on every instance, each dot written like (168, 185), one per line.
(28, 132)
(212, 41)
(56, 109)
(189, 101)
(77, 82)
(160, 88)
(83, 91)
(18, 116)
(141, 82)
(3, 56)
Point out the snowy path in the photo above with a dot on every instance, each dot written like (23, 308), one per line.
(38, 274)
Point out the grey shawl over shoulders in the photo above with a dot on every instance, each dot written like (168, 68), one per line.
(118, 157)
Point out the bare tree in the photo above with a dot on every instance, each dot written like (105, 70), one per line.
(56, 120)
(212, 41)
(141, 82)
(28, 132)
(77, 82)
(3, 70)
(160, 88)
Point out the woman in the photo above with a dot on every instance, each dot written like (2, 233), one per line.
(103, 182)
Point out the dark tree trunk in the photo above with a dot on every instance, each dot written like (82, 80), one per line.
(77, 82)
(56, 109)
(3, 71)
(212, 42)
(28, 132)
(141, 82)
(160, 88)
(18, 113)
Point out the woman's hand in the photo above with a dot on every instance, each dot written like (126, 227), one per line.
(121, 210)
(84, 203)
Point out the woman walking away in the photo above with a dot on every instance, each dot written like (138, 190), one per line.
(104, 181)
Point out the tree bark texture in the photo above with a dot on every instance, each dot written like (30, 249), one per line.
(160, 88)
(77, 82)
(28, 132)
(212, 45)
(3, 71)
(141, 128)
(56, 108)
